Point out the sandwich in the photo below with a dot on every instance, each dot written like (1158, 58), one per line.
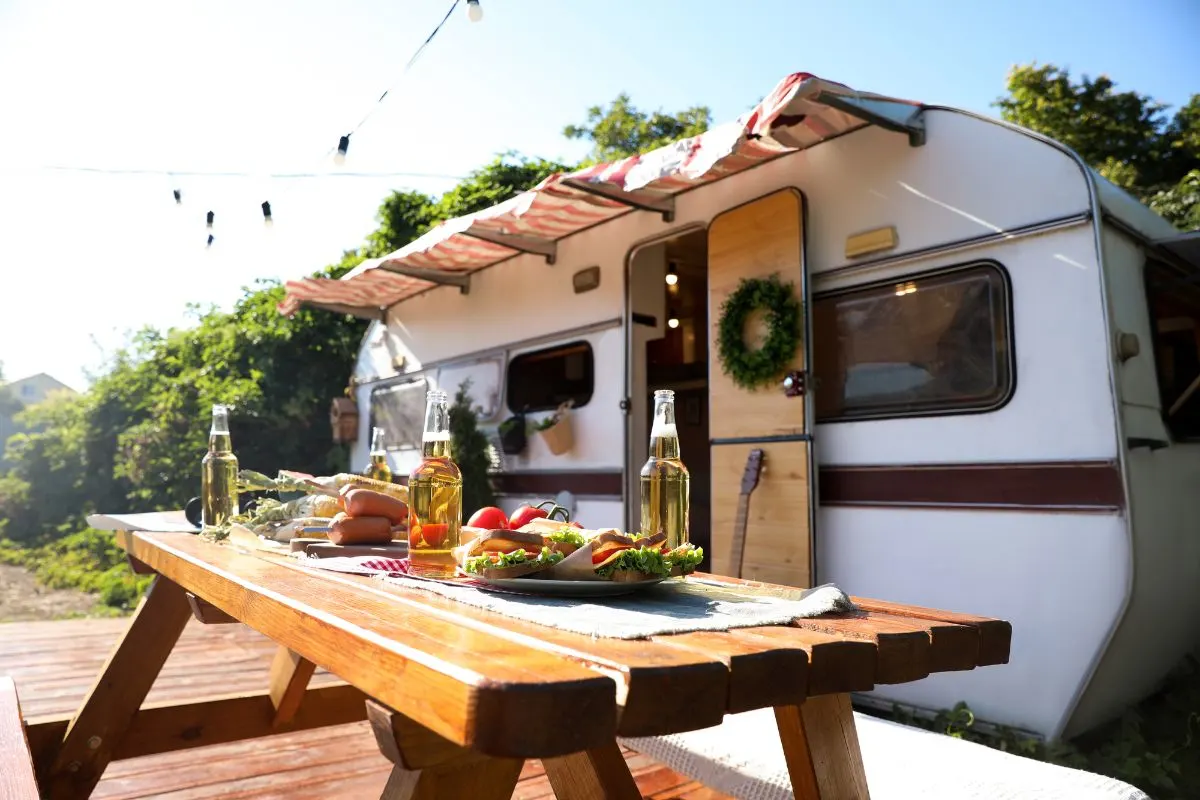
(509, 554)
(623, 557)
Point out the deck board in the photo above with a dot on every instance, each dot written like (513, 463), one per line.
(55, 663)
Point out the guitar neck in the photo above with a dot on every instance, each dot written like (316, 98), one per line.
(740, 520)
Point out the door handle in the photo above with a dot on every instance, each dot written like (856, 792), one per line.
(794, 384)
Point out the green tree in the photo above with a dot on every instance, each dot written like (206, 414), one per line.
(1124, 135)
(621, 129)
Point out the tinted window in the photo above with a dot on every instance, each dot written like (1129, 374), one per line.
(1175, 313)
(545, 379)
(929, 344)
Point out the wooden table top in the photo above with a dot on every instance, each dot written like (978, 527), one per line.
(509, 688)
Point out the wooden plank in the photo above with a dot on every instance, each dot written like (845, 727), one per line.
(820, 746)
(17, 781)
(426, 765)
(290, 674)
(97, 730)
(597, 774)
(762, 672)
(470, 686)
(206, 613)
(995, 635)
(776, 542)
(904, 653)
(167, 727)
(835, 664)
(660, 689)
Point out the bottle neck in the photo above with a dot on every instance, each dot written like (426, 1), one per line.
(219, 442)
(664, 436)
(436, 441)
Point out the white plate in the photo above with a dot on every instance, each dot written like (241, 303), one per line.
(545, 586)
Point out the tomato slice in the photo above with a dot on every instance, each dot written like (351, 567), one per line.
(434, 534)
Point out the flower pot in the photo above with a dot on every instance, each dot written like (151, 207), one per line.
(512, 435)
(559, 437)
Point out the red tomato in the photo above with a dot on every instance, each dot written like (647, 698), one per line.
(489, 517)
(575, 524)
(523, 515)
(414, 536)
(434, 534)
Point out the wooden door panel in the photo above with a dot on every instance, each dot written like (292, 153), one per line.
(777, 540)
(752, 241)
(755, 240)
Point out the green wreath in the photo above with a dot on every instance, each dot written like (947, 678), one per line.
(752, 368)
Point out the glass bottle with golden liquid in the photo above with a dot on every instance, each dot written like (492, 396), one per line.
(218, 473)
(435, 496)
(378, 467)
(664, 478)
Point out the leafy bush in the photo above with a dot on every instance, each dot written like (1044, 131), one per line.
(88, 560)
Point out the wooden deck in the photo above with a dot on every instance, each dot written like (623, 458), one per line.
(55, 663)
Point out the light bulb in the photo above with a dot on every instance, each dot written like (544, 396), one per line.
(672, 322)
(672, 277)
(474, 10)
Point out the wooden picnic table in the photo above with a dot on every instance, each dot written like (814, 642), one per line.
(459, 697)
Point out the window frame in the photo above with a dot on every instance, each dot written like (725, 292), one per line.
(1007, 317)
(512, 359)
(413, 377)
(1157, 340)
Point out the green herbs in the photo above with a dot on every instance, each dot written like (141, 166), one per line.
(516, 558)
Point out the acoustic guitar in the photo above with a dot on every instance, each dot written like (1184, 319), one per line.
(754, 466)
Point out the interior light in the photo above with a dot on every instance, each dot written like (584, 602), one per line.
(905, 288)
(672, 320)
(474, 10)
(672, 275)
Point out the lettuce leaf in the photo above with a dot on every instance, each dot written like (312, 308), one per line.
(492, 560)
(637, 559)
(687, 556)
(567, 535)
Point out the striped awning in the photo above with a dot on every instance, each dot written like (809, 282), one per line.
(801, 111)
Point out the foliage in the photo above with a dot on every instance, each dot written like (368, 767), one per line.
(404, 216)
(88, 560)
(751, 368)
(622, 130)
(470, 448)
(1154, 746)
(1124, 135)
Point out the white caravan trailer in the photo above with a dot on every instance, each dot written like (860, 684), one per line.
(1002, 415)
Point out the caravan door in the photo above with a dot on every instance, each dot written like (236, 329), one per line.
(754, 240)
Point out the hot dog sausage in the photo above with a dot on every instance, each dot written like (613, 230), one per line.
(368, 503)
(360, 530)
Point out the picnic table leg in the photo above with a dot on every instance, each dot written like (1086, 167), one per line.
(427, 766)
(290, 674)
(597, 774)
(73, 769)
(820, 745)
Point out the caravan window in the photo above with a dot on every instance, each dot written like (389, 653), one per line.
(400, 410)
(929, 344)
(545, 379)
(1175, 311)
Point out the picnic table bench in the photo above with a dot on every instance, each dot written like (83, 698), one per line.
(459, 697)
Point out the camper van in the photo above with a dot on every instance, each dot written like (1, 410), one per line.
(993, 405)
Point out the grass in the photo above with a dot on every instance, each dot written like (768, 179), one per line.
(1154, 746)
(89, 561)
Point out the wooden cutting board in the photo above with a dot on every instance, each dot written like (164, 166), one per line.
(323, 548)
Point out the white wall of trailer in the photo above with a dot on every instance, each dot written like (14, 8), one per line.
(1059, 577)
(1161, 623)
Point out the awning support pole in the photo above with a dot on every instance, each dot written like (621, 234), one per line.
(898, 117)
(462, 281)
(661, 205)
(524, 244)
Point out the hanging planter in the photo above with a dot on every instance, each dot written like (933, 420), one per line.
(513, 435)
(556, 429)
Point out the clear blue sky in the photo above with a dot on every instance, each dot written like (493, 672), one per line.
(269, 86)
